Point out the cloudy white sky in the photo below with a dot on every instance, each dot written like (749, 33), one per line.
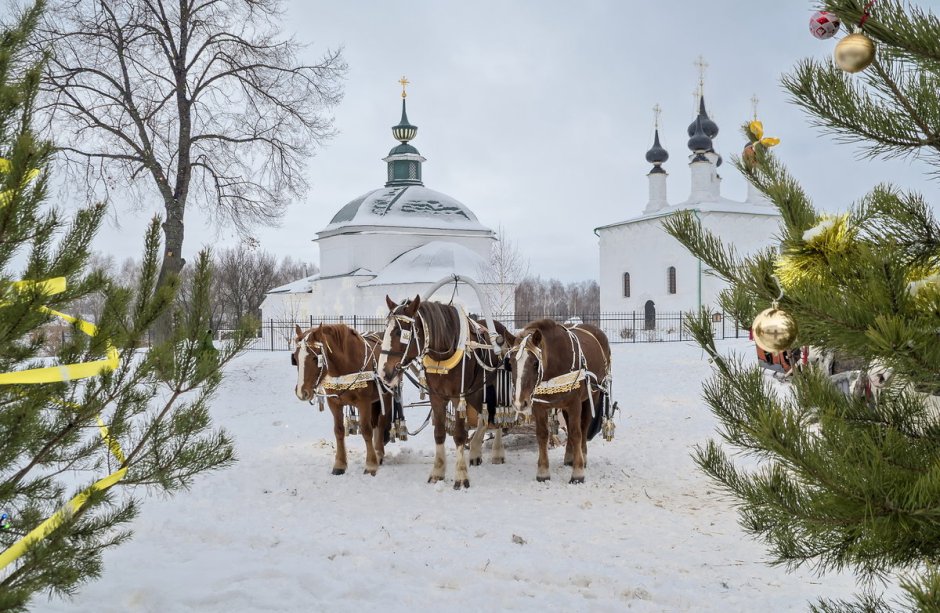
(537, 113)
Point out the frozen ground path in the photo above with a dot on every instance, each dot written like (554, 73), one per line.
(277, 532)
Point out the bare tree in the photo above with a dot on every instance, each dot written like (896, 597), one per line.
(502, 272)
(199, 102)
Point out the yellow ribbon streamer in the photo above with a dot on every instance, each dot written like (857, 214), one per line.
(5, 166)
(46, 528)
(66, 372)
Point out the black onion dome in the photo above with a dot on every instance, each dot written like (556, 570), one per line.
(708, 126)
(700, 142)
(657, 154)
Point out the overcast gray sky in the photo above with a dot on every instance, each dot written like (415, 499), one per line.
(537, 113)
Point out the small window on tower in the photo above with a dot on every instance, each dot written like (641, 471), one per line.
(412, 171)
(671, 279)
(626, 285)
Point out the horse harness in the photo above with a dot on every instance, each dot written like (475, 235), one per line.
(442, 366)
(327, 386)
(570, 380)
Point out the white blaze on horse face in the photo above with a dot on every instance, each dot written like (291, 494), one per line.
(383, 355)
(301, 362)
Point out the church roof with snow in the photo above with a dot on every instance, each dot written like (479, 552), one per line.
(404, 206)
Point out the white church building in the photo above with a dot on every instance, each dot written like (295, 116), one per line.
(397, 240)
(644, 270)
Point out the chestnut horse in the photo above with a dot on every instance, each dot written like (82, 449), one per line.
(556, 366)
(458, 364)
(336, 362)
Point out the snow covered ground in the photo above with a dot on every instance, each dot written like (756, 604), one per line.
(277, 532)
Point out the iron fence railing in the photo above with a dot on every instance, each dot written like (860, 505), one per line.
(277, 335)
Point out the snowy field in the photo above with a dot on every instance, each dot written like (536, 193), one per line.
(277, 532)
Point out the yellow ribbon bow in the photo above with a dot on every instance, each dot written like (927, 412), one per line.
(757, 129)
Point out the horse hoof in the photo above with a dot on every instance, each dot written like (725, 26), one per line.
(369, 472)
(499, 460)
(543, 479)
(381, 461)
(576, 480)
(433, 479)
(465, 483)
(339, 471)
(476, 461)
(569, 462)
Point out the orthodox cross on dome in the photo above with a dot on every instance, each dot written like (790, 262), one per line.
(754, 101)
(657, 111)
(404, 82)
(702, 66)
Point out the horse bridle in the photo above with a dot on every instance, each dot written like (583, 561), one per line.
(536, 352)
(399, 319)
(322, 363)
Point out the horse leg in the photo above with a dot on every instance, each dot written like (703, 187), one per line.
(576, 435)
(586, 419)
(366, 421)
(378, 433)
(461, 477)
(440, 435)
(339, 431)
(541, 432)
(476, 441)
(569, 453)
(499, 454)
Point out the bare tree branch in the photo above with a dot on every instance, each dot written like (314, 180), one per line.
(190, 102)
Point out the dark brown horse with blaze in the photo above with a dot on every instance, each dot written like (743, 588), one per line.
(556, 366)
(336, 362)
(439, 337)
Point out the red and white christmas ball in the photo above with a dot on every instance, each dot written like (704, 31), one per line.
(824, 24)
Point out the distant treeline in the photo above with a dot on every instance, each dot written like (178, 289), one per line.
(536, 297)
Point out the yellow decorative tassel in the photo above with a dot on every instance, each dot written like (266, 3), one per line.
(833, 237)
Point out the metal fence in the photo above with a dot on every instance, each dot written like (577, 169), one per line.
(277, 335)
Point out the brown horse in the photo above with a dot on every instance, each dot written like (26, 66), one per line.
(336, 362)
(555, 366)
(439, 337)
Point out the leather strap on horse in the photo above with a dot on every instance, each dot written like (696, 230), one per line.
(442, 367)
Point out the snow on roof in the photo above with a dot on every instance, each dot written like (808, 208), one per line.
(408, 206)
(429, 263)
(722, 205)
(300, 286)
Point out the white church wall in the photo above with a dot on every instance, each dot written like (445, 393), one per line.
(645, 251)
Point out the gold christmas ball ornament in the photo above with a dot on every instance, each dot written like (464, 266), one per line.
(774, 330)
(854, 53)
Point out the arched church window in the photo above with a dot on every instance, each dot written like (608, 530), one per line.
(671, 279)
(626, 285)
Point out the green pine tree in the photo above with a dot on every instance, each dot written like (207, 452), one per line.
(154, 403)
(842, 481)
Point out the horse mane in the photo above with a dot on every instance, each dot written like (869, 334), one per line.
(341, 339)
(443, 326)
(551, 330)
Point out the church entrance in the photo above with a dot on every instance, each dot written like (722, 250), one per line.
(650, 315)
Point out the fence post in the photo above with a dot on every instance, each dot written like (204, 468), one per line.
(723, 318)
(271, 328)
(355, 322)
(633, 336)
